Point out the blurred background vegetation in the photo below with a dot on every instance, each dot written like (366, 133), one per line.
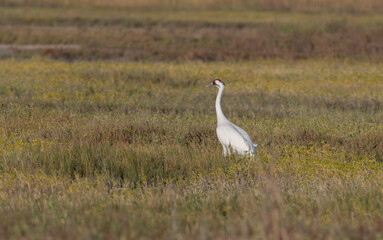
(194, 30)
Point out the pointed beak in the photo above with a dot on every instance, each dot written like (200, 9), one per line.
(209, 85)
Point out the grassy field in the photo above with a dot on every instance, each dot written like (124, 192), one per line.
(187, 33)
(96, 149)
(116, 140)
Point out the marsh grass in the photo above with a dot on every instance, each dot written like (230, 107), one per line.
(168, 34)
(128, 150)
(123, 149)
(354, 6)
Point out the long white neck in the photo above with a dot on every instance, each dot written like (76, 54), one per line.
(220, 116)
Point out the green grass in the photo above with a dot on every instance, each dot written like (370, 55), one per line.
(128, 150)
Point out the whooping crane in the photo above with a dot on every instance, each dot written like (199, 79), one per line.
(230, 135)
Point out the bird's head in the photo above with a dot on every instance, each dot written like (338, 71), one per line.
(216, 83)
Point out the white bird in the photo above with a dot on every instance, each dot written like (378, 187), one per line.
(230, 135)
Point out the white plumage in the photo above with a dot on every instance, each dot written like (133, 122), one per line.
(232, 137)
